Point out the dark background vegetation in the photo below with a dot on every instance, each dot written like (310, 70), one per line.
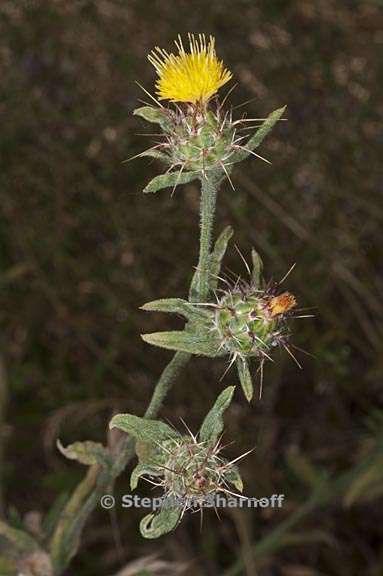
(81, 248)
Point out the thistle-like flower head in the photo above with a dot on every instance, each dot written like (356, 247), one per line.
(251, 322)
(193, 76)
(189, 468)
(199, 139)
(194, 470)
(246, 322)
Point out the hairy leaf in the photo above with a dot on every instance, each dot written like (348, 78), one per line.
(156, 524)
(170, 180)
(216, 258)
(217, 255)
(184, 341)
(155, 115)
(256, 275)
(155, 153)
(178, 306)
(140, 470)
(143, 429)
(87, 452)
(212, 425)
(245, 378)
(233, 476)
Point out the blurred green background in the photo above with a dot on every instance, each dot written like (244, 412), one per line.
(81, 248)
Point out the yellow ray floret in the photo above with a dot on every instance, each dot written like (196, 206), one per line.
(189, 77)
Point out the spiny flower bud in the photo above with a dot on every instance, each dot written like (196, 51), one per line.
(189, 468)
(250, 322)
(247, 322)
(193, 470)
(199, 140)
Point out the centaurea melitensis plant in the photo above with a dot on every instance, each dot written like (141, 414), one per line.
(200, 141)
(245, 320)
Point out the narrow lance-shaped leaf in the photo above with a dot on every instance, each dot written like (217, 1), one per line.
(216, 258)
(157, 524)
(155, 153)
(212, 425)
(256, 275)
(87, 452)
(258, 137)
(178, 306)
(152, 431)
(217, 255)
(185, 341)
(170, 180)
(245, 378)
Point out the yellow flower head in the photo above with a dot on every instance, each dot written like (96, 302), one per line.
(189, 77)
(281, 304)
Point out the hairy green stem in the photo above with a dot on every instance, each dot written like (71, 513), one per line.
(207, 212)
(86, 496)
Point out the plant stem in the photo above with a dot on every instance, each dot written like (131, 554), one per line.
(87, 494)
(168, 376)
(207, 211)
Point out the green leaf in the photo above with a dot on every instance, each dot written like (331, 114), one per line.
(178, 306)
(87, 452)
(170, 180)
(233, 476)
(217, 255)
(216, 258)
(143, 429)
(256, 275)
(212, 425)
(157, 524)
(141, 469)
(245, 378)
(260, 134)
(184, 341)
(154, 153)
(155, 115)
